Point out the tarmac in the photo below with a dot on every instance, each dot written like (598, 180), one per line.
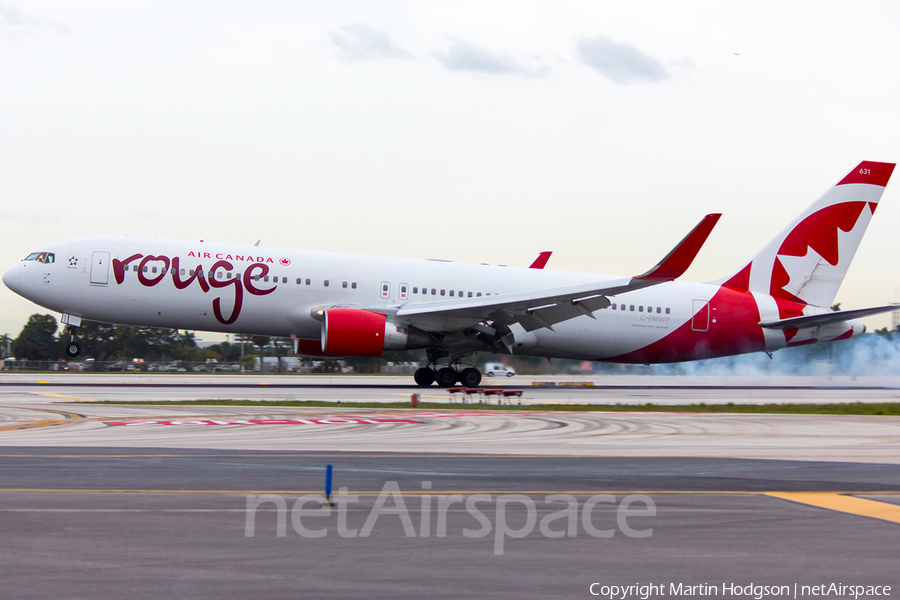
(170, 501)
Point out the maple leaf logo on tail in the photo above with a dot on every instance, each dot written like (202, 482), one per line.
(808, 260)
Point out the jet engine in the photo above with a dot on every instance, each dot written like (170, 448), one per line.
(357, 332)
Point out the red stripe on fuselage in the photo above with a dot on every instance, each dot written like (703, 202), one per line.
(733, 329)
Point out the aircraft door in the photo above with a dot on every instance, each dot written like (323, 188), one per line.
(100, 268)
(700, 321)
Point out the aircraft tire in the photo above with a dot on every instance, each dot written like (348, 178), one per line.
(470, 377)
(446, 377)
(73, 349)
(424, 376)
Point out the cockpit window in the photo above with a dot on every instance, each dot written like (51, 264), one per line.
(42, 257)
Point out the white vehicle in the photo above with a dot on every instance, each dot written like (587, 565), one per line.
(492, 369)
(335, 305)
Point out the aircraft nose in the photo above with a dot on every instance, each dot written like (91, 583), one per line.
(11, 278)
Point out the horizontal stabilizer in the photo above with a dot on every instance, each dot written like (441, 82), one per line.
(680, 258)
(827, 318)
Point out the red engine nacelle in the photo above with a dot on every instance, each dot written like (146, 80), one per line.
(353, 332)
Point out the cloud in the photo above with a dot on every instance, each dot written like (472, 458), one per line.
(620, 62)
(19, 20)
(463, 56)
(361, 42)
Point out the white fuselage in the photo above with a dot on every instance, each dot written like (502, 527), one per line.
(83, 281)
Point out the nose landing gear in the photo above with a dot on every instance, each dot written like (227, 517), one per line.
(73, 348)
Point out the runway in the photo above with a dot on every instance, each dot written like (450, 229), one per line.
(17, 386)
(106, 500)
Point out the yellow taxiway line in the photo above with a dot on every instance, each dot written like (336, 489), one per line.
(55, 395)
(843, 503)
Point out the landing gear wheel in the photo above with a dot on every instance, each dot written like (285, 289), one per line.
(424, 376)
(73, 349)
(446, 377)
(470, 377)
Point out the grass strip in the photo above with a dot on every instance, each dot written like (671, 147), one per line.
(842, 408)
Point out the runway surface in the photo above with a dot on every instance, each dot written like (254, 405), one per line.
(160, 523)
(16, 386)
(152, 501)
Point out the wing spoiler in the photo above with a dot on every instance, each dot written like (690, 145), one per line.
(543, 308)
(827, 318)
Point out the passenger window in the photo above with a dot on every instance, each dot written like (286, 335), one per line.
(442, 292)
(353, 285)
(433, 292)
(146, 268)
(135, 268)
(415, 290)
(404, 291)
(326, 283)
(344, 285)
(299, 281)
(308, 282)
(182, 272)
(452, 292)
(385, 289)
(614, 306)
(658, 310)
(622, 307)
(632, 308)
(266, 278)
(667, 311)
(470, 294)
(478, 295)
(641, 308)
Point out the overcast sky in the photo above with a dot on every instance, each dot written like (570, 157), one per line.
(471, 131)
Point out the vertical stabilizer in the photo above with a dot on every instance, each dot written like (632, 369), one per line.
(807, 261)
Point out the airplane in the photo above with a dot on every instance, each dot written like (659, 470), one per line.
(338, 305)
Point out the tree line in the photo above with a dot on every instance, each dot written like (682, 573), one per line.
(103, 342)
(39, 340)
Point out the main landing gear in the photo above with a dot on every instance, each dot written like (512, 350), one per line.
(447, 377)
(73, 348)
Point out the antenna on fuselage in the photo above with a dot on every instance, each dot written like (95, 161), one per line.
(257, 242)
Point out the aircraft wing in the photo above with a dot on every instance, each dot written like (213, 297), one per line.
(544, 308)
(827, 318)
